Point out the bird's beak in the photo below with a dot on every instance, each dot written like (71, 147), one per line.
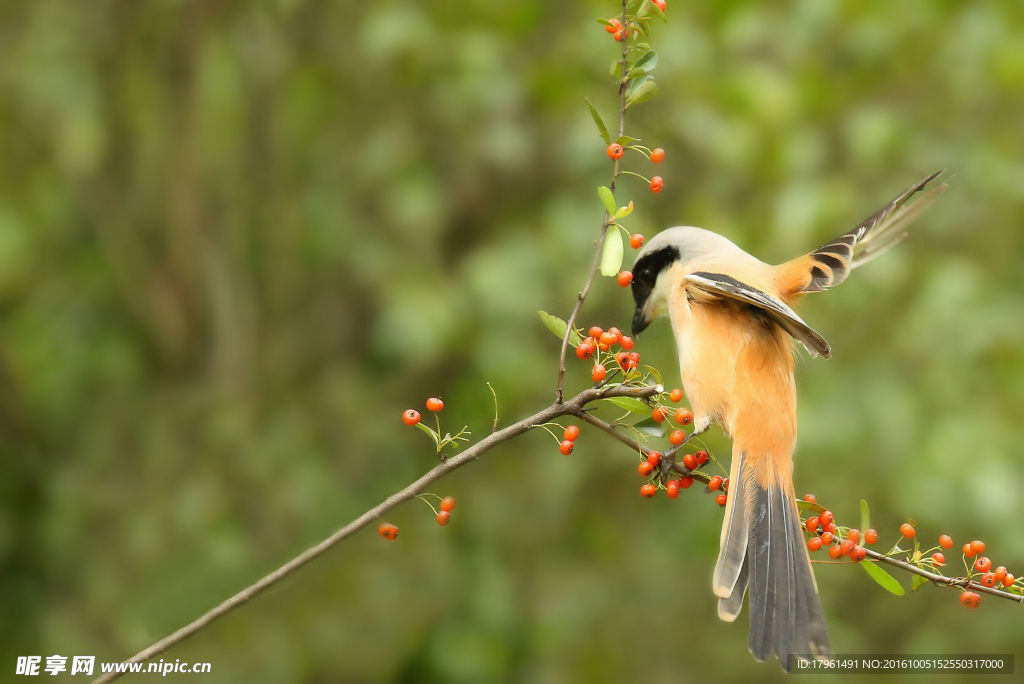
(639, 321)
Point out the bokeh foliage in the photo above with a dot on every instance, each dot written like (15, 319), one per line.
(238, 238)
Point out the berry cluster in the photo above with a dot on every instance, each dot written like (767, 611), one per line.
(843, 541)
(412, 418)
(840, 543)
(599, 344)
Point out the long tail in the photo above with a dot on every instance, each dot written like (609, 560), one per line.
(762, 548)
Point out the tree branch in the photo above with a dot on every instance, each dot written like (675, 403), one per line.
(942, 579)
(574, 406)
(581, 296)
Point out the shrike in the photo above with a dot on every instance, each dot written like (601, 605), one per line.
(731, 318)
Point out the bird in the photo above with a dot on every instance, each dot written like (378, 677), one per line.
(736, 336)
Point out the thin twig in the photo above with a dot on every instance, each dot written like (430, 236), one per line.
(581, 296)
(942, 579)
(573, 406)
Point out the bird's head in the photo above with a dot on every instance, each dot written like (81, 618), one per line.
(656, 270)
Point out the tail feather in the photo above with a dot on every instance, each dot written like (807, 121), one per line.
(733, 542)
(773, 569)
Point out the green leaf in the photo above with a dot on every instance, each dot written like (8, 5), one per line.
(611, 253)
(648, 426)
(626, 140)
(655, 375)
(656, 11)
(884, 579)
(630, 404)
(430, 431)
(607, 198)
(811, 506)
(865, 516)
(624, 211)
(642, 92)
(601, 128)
(636, 72)
(916, 582)
(615, 68)
(647, 62)
(557, 326)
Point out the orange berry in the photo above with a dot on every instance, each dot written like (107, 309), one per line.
(1000, 572)
(945, 541)
(812, 524)
(615, 151)
(657, 184)
(853, 535)
(858, 554)
(598, 373)
(811, 498)
(443, 517)
(654, 458)
(814, 543)
(657, 155)
(645, 468)
(834, 552)
(685, 482)
(983, 564)
(660, 4)
(584, 351)
(826, 518)
(447, 503)
(595, 331)
(968, 551)
(989, 579)
(388, 531)
(672, 489)
(658, 414)
(571, 433)
(970, 599)
(625, 278)
(434, 404)
(715, 483)
(845, 547)
(618, 35)
(676, 395)
(648, 491)
(907, 530)
(871, 536)
(626, 342)
(677, 437)
(609, 338)
(702, 457)
(636, 240)
(978, 546)
(690, 461)
(615, 331)
(826, 537)
(566, 447)
(939, 558)
(1008, 580)
(410, 416)
(684, 416)
(721, 499)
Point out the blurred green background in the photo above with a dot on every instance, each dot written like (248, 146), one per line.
(237, 239)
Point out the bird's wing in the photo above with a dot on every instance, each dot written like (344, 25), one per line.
(705, 286)
(829, 264)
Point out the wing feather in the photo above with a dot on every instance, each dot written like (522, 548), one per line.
(719, 285)
(831, 263)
